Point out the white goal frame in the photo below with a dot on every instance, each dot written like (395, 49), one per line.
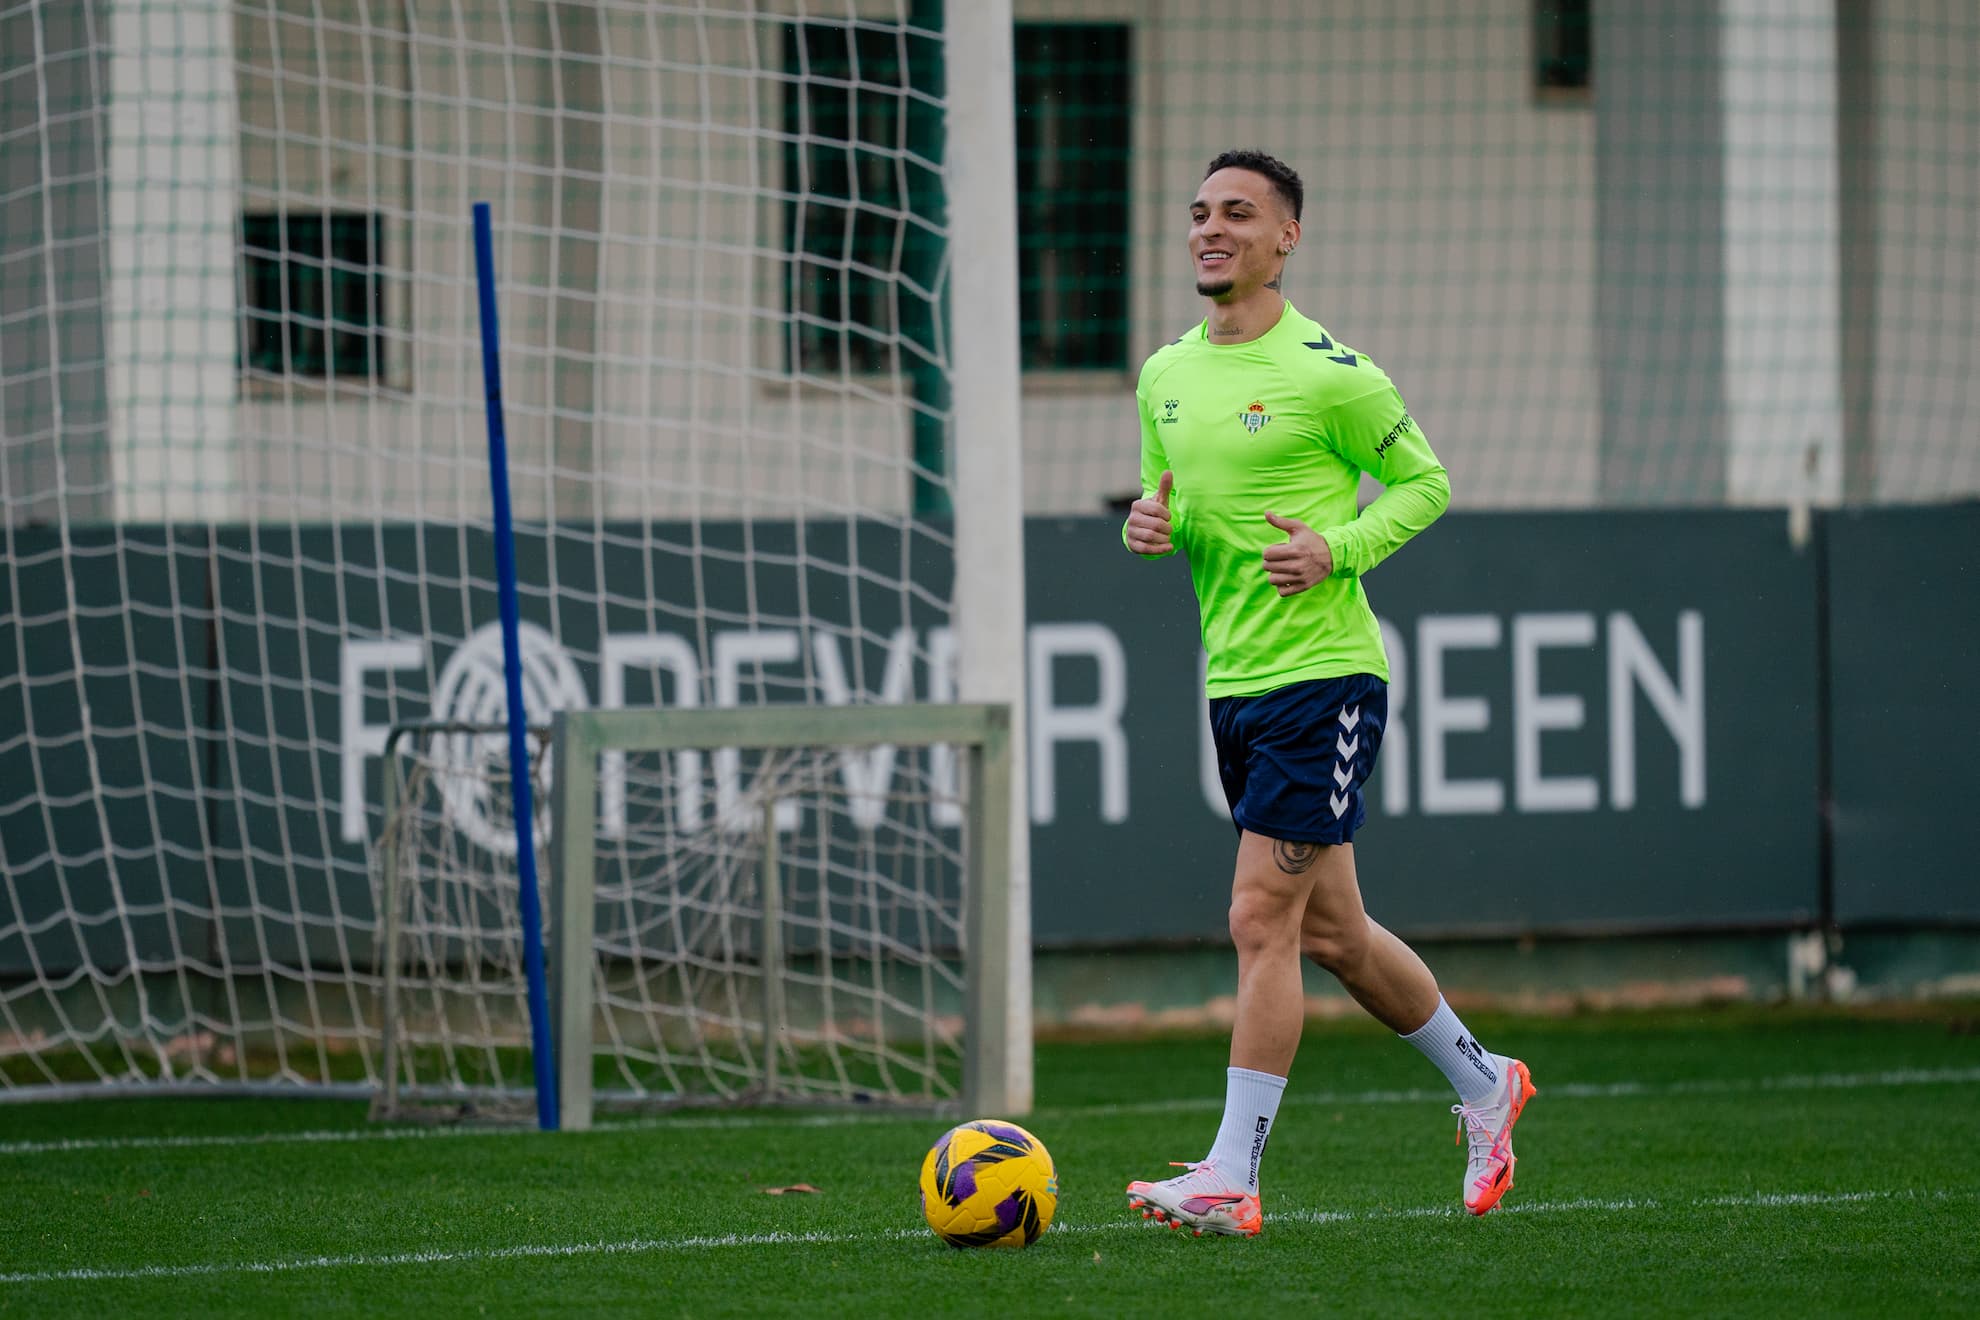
(996, 913)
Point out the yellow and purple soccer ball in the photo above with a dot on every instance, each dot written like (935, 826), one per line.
(988, 1183)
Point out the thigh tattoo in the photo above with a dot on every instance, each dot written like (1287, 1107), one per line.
(1294, 858)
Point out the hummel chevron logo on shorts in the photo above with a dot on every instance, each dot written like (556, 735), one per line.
(1346, 748)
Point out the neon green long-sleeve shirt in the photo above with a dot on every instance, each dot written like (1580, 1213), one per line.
(1287, 424)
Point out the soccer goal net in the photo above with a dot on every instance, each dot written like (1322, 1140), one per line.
(765, 905)
(245, 497)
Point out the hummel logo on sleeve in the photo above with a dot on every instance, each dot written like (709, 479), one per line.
(1346, 358)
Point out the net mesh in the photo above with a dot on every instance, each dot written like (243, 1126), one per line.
(769, 927)
(860, 995)
(244, 486)
(1700, 253)
(451, 995)
(1613, 255)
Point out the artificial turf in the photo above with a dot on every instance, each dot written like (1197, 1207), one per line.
(1717, 1162)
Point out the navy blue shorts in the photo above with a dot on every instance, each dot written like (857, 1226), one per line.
(1293, 760)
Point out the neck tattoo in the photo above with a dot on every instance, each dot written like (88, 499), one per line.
(1273, 283)
(1226, 331)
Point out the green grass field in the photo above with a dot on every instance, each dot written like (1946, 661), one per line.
(1717, 1162)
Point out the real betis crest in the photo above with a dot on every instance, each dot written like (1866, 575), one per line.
(1255, 417)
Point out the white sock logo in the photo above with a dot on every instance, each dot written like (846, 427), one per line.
(1258, 1148)
(1471, 1050)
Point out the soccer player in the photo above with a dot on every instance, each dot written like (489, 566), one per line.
(1256, 426)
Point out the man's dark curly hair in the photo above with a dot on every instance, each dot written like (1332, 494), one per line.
(1285, 179)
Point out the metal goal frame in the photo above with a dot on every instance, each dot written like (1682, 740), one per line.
(996, 953)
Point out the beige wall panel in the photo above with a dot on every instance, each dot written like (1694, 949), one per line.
(1449, 227)
(1925, 411)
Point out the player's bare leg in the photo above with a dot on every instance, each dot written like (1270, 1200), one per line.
(1386, 977)
(1269, 894)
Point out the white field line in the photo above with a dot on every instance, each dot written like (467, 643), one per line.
(649, 1246)
(695, 1122)
(1591, 1090)
(1626, 1204)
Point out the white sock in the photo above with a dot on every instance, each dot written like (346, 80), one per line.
(1251, 1102)
(1444, 1041)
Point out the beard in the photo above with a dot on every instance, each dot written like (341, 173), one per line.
(1215, 287)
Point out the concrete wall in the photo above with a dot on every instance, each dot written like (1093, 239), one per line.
(665, 345)
(1924, 423)
(1474, 200)
(632, 157)
(1449, 230)
(54, 413)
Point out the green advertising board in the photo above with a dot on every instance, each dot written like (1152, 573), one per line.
(105, 722)
(1904, 727)
(1599, 721)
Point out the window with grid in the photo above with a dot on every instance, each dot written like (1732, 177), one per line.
(1072, 163)
(313, 295)
(1563, 48)
(847, 213)
(851, 198)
